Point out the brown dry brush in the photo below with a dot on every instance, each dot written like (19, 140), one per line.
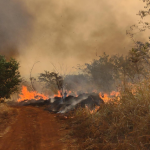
(8, 116)
(122, 126)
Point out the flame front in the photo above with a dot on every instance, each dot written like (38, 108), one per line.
(26, 95)
(106, 98)
(58, 94)
(94, 110)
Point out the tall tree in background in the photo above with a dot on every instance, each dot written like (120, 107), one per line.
(9, 77)
(142, 25)
(146, 11)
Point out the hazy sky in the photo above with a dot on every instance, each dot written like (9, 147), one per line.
(65, 32)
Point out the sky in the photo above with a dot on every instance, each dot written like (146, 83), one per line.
(62, 34)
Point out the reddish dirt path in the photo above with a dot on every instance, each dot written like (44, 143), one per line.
(34, 129)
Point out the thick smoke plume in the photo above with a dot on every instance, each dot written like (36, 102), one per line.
(75, 32)
(15, 24)
(65, 32)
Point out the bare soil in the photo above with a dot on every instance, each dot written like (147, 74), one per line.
(34, 129)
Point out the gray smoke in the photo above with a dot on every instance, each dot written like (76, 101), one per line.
(69, 32)
(73, 32)
(15, 24)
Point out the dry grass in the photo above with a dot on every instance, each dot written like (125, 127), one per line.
(7, 117)
(124, 126)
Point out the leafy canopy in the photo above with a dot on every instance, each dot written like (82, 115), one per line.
(52, 80)
(9, 77)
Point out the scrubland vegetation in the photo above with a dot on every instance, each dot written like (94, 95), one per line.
(124, 122)
(120, 124)
(124, 125)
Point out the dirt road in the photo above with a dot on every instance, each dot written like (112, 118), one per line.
(34, 129)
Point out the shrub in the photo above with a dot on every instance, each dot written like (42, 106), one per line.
(125, 125)
(9, 77)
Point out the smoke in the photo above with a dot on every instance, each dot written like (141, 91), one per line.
(65, 32)
(74, 32)
(73, 104)
(78, 83)
(15, 22)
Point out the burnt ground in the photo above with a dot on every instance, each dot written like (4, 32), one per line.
(34, 129)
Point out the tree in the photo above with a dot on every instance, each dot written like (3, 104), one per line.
(52, 80)
(102, 72)
(144, 13)
(142, 25)
(9, 77)
(108, 72)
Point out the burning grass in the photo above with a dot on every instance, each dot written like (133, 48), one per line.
(115, 126)
(26, 95)
(7, 117)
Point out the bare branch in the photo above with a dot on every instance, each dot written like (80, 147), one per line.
(31, 78)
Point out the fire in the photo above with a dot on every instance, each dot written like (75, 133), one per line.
(107, 98)
(68, 93)
(74, 93)
(114, 93)
(92, 111)
(104, 97)
(26, 95)
(58, 95)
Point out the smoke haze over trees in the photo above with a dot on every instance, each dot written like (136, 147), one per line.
(15, 24)
(109, 72)
(66, 32)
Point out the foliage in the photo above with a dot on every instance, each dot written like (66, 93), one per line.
(142, 25)
(52, 80)
(124, 125)
(109, 71)
(101, 72)
(140, 52)
(144, 13)
(9, 77)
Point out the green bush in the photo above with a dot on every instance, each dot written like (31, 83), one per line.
(9, 77)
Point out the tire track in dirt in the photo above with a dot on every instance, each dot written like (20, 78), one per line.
(34, 129)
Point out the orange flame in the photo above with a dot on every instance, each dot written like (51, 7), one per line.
(114, 93)
(72, 92)
(76, 95)
(106, 98)
(94, 110)
(69, 93)
(58, 95)
(26, 95)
